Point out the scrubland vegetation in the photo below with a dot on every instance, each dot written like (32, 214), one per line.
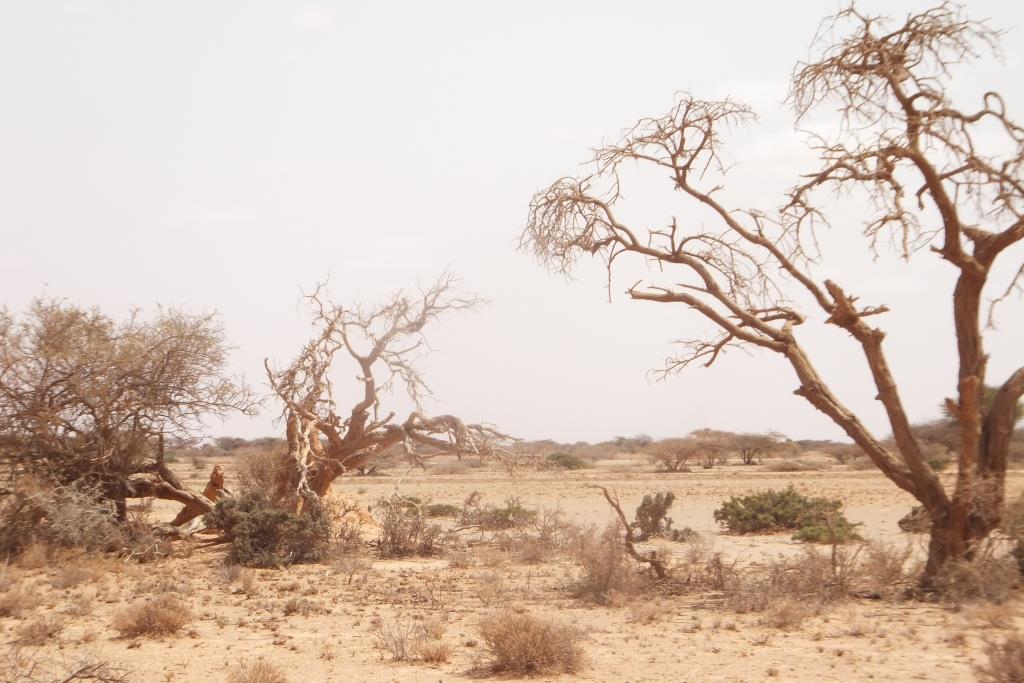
(366, 545)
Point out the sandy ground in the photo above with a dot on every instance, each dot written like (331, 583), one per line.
(317, 625)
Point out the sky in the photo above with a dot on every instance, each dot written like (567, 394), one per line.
(226, 156)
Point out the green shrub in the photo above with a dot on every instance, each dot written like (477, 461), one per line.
(489, 517)
(404, 530)
(814, 520)
(266, 536)
(652, 519)
(568, 461)
(442, 510)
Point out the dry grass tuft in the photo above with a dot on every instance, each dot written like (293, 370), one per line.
(1005, 661)
(648, 612)
(40, 630)
(256, 671)
(433, 651)
(15, 601)
(988, 578)
(525, 644)
(159, 616)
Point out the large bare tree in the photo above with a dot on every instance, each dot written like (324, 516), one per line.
(88, 400)
(943, 181)
(383, 342)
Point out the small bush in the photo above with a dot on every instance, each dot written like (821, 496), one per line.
(397, 637)
(18, 665)
(15, 601)
(525, 644)
(256, 671)
(45, 515)
(488, 517)
(259, 469)
(815, 520)
(40, 630)
(987, 578)
(160, 616)
(568, 461)
(652, 520)
(441, 510)
(404, 531)
(607, 571)
(1005, 661)
(266, 536)
(786, 466)
(433, 651)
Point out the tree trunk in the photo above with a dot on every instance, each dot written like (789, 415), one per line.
(955, 535)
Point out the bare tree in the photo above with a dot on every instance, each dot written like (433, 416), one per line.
(921, 163)
(672, 455)
(752, 448)
(384, 343)
(88, 400)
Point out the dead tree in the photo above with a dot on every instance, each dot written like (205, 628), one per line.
(88, 400)
(383, 342)
(630, 539)
(932, 188)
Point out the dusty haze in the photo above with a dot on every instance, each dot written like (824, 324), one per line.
(213, 159)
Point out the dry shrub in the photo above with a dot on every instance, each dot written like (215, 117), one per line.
(405, 640)
(1005, 661)
(814, 578)
(492, 589)
(606, 569)
(489, 517)
(301, 606)
(433, 651)
(70, 575)
(883, 570)
(256, 671)
(525, 644)
(787, 466)
(40, 630)
(351, 566)
(404, 530)
(159, 616)
(259, 469)
(537, 539)
(786, 614)
(988, 577)
(703, 570)
(20, 666)
(648, 612)
(15, 601)
(80, 605)
(73, 516)
(396, 637)
(461, 558)
(162, 584)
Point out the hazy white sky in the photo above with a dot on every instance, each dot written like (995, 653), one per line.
(223, 155)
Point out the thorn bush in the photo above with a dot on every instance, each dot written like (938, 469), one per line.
(263, 535)
(814, 520)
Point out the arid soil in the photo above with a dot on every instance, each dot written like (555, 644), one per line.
(317, 622)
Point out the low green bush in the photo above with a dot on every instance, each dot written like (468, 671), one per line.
(814, 520)
(490, 517)
(441, 510)
(568, 461)
(263, 535)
